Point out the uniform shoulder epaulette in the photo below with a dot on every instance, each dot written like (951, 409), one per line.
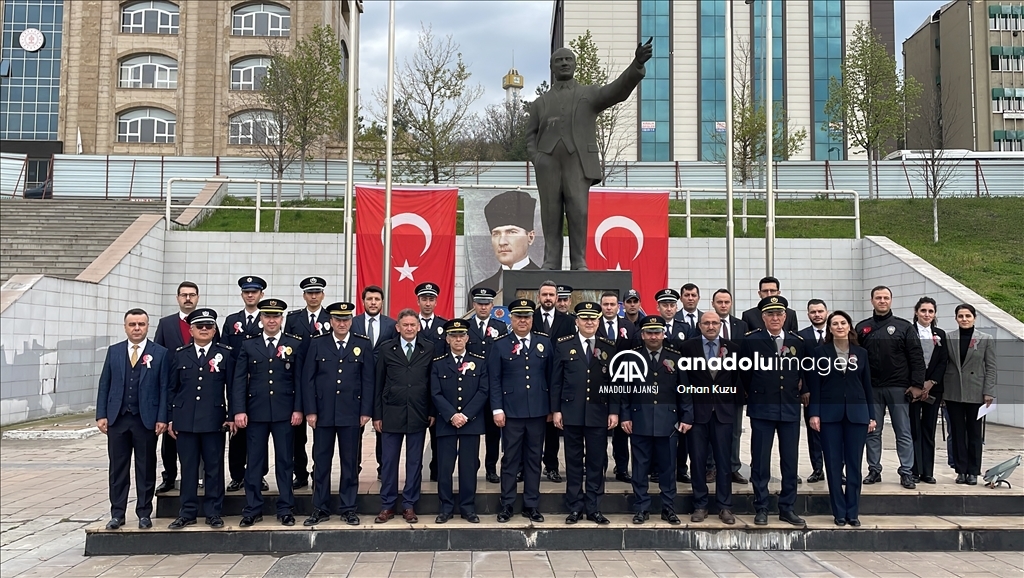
(542, 333)
(797, 335)
(294, 311)
(440, 357)
(314, 337)
(354, 334)
(500, 337)
(251, 335)
(183, 347)
(669, 349)
(476, 355)
(605, 340)
(753, 331)
(225, 346)
(564, 338)
(295, 336)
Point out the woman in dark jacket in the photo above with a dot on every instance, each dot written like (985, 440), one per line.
(842, 411)
(924, 411)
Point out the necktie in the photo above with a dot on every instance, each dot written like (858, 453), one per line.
(610, 332)
(248, 322)
(654, 358)
(425, 323)
(458, 361)
(341, 346)
(725, 329)
(135, 355)
(271, 350)
(820, 336)
(202, 356)
(668, 330)
(408, 351)
(779, 344)
(711, 349)
(312, 324)
(690, 317)
(547, 323)
(482, 324)
(373, 340)
(590, 351)
(526, 344)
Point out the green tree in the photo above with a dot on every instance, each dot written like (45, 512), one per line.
(872, 102)
(504, 127)
(613, 138)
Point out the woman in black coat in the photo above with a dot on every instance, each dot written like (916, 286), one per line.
(842, 411)
(924, 410)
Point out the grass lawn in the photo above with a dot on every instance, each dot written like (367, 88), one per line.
(981, 240)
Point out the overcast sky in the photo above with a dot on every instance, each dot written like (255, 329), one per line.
(492, 33)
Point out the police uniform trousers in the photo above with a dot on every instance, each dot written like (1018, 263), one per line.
(169, 457)
(208, 446)
(492, 441)
(762, 437)
(238, 451)
(391, 453)
(521, 441)
(842, 442)
(813, 443)
(718, 436)
(587, 445)
(923, 419)
(258, 433)
(432, 465)
(620, 450)
(126, 437)
(681, 454)
(467, 449)
(300, 463)
(347, 438)
(654, 454)
(551, 442)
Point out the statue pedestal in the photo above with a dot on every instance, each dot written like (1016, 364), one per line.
(586, 285)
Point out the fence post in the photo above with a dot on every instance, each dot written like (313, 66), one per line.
(258, 198)
(161, 177)
(856, 215)
(106, 185)
(688, 213)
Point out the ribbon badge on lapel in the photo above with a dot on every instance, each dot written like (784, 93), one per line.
(238, 327)
(215, 363)
(937, 340)
(517, 348)
(466, 366)
(147, 359)
(973, 344)
(492, 332)
(669, 365)
(622, 332)
(283, 350)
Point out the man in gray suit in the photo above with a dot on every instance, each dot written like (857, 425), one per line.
(561, 140)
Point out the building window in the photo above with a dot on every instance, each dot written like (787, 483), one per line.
(827, 58)
(149, 71)
(154, 17)
(253, 127)
(261, 20)
(655, 88)
(712, 79)
(30, 88)
(778, 63)
(146, 125)
(249, 73)
(344, 61)
(1008, 140)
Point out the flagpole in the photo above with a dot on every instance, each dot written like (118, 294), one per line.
(730, 226)
(353, 13)
(769, 105)
(386, 269)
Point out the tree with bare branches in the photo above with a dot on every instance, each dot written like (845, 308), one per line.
(937, 166)
(504, 129)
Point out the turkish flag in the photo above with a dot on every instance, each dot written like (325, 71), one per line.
(629, 232)
(422, 244)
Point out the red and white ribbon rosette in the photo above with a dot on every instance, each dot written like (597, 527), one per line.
(238, 327)
(215, 363)
(280, 351)
(492, 332)
(147, 359)
(517, 348)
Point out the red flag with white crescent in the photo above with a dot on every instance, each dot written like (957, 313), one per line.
(629, 232)
(422, 244)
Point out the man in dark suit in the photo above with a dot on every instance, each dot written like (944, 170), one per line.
(676, 332)
(623, 333)
(584, 412)
(432, 332)
(460, 390)
(237, 327)
(717, 396)
(519, 368)
(732, 329)
(337, 396)
(553, 324)
(131, 409)
(510, 218)
(768, 287)
(173, 332)
(306, 323)
(814, 335)
(379, 329)
(270, 363)
(654, 417)
(774, 397)
(199, 394)
(402, 411)
(689, 297)
(562, 143)
(483, 330)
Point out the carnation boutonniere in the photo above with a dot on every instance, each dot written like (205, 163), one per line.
(215, 363)
(974, 343)
(517, 348)
(147, 359)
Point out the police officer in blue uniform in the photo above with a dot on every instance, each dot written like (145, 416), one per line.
(774, 397)
(199, 394)
(584, 412)
(432, 332)
(306, 323)
(460, 389)
(268, 402)
(237, 327)
(654, 413)
(676, 332)
(483, 330)
(337, 396)
(519, 367)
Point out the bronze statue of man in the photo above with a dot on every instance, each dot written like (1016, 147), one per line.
(561, 139)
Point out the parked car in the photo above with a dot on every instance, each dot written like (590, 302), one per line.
(43, 191)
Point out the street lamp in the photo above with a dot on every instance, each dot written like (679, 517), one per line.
(831, 150)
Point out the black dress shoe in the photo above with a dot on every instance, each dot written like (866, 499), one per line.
(300, 483)
(670, 517)
(798, 480)
(907, 482)
(737, 478)
(655, 478)
(533, 514)
(287, 520)
(180, 523)
(164, 487)
(115, 523)
(554, 476)
(215, 522)
(492, 478)
(573, 517)
(961, 478)
(972, 480)
(264, 486)
(815, 477)
(350, 517)
(761, 518)
(505, 515)
(683, 478)
(928, 479)
(599, 518)
(249, 521)
(234, 486)
(316, 517)
(145, 523)
(640, 517)
(471, 518)
(624, 477)
(840, 522)
(519, 478)
(790, 517)
(442, 518)
(916, 478)
(855, 522)
(872, 478)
